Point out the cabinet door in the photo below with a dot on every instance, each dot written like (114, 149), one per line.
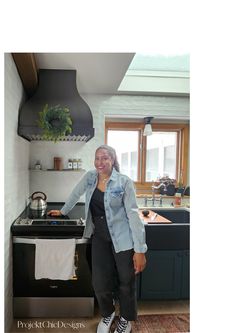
(185, 275)
(161, 278)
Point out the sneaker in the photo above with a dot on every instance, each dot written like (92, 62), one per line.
(123, 326)
(105, 324)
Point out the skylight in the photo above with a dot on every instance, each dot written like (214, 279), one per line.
(157, 74)
(179, 63)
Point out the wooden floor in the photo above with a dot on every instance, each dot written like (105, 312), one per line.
(89, 325)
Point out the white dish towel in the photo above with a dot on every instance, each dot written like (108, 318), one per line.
(54, 259)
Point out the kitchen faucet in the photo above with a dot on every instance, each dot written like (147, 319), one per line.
(154, 198)
(154, 187)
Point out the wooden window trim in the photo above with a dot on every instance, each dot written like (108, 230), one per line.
(182, 148)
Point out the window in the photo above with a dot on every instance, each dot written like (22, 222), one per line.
(126, 146)
(161, 156)
(145, 159)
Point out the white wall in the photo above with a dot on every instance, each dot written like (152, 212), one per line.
(143, 106)
(16, 172)
(101, 106)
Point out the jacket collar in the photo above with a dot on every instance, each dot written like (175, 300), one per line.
(114, 174)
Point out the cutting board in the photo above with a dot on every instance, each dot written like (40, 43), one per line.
(152, 218)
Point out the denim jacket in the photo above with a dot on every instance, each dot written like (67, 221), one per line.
(126, 228)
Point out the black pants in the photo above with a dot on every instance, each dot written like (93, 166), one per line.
(113, 274)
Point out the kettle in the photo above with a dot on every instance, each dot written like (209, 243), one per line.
(38, 201)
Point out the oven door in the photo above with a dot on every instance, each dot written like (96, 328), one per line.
(25, 284)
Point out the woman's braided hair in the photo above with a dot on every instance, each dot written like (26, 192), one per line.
(112, 153)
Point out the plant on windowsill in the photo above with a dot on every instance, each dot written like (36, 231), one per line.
(55, 122)
(181, 187)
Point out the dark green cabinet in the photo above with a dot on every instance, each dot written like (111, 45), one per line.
(185, 277)
(166, 275)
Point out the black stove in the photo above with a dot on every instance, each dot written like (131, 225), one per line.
(45, 297)
(38, 223)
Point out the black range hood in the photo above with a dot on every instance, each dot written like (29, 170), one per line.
(56, 87)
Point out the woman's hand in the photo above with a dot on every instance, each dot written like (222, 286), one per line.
(139, 262)
(54, 213)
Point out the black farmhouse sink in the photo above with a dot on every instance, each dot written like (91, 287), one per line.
(174, 236)
(176, 215)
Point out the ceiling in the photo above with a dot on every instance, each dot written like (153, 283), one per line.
(123, 73)
(97, 73)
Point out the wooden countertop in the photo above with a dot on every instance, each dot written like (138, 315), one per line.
(152, 218)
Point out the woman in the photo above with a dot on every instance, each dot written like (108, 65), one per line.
(118, 237)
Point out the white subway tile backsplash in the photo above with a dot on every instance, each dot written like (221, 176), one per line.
(49, 183)
(16, 173)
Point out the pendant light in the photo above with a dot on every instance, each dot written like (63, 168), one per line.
(147, 127)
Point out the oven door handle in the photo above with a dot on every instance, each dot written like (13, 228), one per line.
(24, 240)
